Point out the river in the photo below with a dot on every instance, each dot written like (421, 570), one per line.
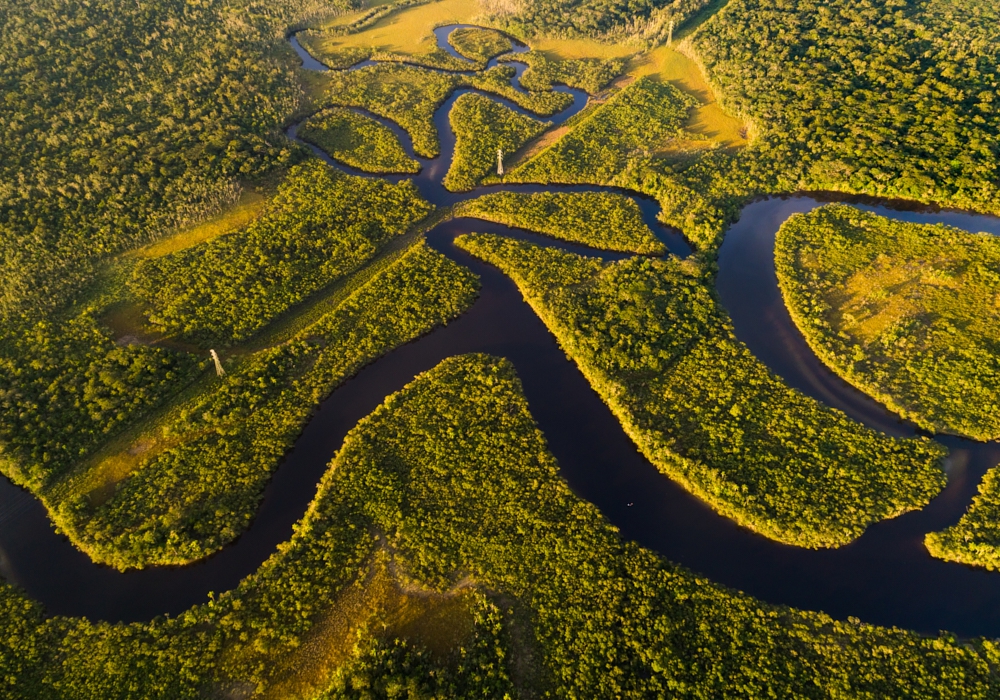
(885, 577)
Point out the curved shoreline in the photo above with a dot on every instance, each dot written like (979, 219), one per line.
(885, 577)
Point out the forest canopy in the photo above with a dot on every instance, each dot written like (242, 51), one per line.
(121, 120)
(905, 312)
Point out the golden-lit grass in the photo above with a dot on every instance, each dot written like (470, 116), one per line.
(246, 209)
(563, 49)
(409, 32)
(667, 64)
(439, 622)
(884, 294)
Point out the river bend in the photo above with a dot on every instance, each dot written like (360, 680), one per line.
(885, 577)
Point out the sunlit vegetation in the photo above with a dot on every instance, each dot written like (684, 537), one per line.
(320, 226)
(396, 32)
(123, 121)
(406, 95)
(450, 477)
(651, 340)
(232, 218)
(975, 539)
(635, 122)
(482, 126)
(597, 219)
(707, 119)
(479, 44)
(911, 114)
(358, 141)
(65, 388)
(642, 20)
(409, 96)
(200, 490)
(906, 312)
(589, 74)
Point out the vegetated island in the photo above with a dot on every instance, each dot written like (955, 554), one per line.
(358, 141)
(908, 313)
(597, 219)
(443, 555)
(649, 337)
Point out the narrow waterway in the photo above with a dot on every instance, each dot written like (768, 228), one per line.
(885, 577)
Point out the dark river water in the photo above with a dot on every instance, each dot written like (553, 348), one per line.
(885, 577)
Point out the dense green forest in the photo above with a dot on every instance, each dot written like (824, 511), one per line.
(654, 344)
(479, 44)
(443, 556)
(482, 126)
(409, 96)
(589, 74)
(648, 19)
(905, 312)
(632, 124)
(321, 226)
(120, 121)
(597, 219)
(453, 476)
(975, 539)
(66, 388)
(200, 489)
(358, 141)
(892, 99)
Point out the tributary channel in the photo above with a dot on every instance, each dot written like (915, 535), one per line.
(886, 577)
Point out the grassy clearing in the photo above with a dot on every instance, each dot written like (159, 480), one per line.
(905, 312)
(561, 49)
(439, 622)
(667, 64)
(653, 343)
(249, 206)
(407, 34)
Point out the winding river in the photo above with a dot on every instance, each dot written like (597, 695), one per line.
(885, 577)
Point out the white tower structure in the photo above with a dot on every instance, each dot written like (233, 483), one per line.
(218, 365)
(500, 162)
(670, 33)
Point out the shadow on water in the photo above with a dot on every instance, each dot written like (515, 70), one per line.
(886, 577)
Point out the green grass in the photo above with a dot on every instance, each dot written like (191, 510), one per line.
(482, 126)
(907, 313)
(597, 219)
(358, 141)
(653, 343)
(450, 481)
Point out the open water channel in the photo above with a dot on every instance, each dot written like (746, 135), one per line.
(885, 577)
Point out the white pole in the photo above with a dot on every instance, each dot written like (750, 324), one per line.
(670, 34)
(218, 365)
(500, 162)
